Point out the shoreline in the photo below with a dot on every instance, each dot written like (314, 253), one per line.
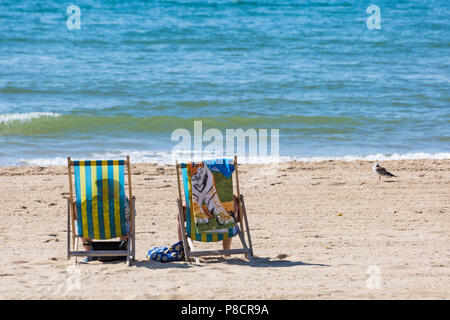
(317, 230)
(59, 161)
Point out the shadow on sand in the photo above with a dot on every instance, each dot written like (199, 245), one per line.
(151, 264)
(258, 262)
(262, 262)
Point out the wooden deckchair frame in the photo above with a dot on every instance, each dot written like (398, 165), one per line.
(130, 253)
(189, 249)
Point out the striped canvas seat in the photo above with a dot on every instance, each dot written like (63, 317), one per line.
(222, 169)
(99, 209)
(100, 198)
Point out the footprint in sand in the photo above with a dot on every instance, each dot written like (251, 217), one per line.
(282, 256)
(400, 267)
(49, 240)
(40, 263)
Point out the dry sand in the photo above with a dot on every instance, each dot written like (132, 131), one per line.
(316, 229)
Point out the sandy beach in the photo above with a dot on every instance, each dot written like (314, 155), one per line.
(319, 229)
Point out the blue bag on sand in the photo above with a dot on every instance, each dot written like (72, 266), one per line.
(163, 254)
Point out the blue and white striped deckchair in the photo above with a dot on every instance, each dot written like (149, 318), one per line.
(101, 205)
(202, 221)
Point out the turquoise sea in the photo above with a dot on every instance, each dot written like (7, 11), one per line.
(137, 70)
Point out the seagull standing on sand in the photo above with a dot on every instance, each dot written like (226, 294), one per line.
(381, 171)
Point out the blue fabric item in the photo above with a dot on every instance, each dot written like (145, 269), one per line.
(224, 166)
(88, 259)
(164, 254)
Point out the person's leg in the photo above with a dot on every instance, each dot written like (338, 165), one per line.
(226, 244)
(86, 244)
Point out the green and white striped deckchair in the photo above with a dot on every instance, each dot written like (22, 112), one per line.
(99, 212)
(210, 212)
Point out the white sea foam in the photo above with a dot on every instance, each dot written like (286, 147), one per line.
(157, 157)
(43, 162)
(163, 158)
(379, 157)
(24, 117)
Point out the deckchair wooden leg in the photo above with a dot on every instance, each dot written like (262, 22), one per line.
(133, 239)
(183, 231)
(129, 252)
(250, 245)
(76, 249)
(68, 229)
(191, 248)
(128, 262)
(248, 255)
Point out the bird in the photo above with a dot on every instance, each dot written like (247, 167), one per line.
(381, 171)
